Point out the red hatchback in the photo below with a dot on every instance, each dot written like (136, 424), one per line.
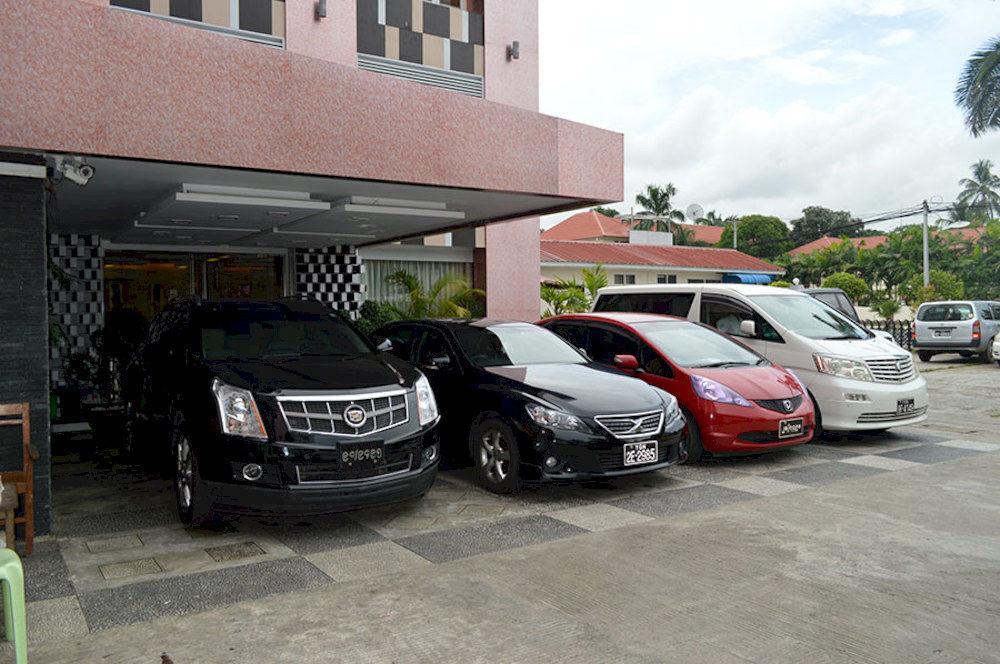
(735, 401)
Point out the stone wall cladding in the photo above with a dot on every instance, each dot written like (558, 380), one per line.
(76, 300)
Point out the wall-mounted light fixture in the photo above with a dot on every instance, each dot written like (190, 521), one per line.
(320, 9)
(513, 51)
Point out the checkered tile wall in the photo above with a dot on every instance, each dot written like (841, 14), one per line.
(333, 275)
(263, 16)
(76, 297)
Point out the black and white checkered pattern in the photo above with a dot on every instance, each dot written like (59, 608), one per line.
(333, 275)
(76, 308)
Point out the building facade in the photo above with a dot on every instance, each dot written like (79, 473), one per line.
(252, 148)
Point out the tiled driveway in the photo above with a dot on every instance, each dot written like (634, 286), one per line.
(120, 557)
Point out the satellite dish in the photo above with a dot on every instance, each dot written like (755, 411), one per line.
(695, 212)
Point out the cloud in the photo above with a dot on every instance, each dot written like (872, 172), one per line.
(895, 38)
(821, 66)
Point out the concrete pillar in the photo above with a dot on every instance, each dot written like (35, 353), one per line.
(24, 332)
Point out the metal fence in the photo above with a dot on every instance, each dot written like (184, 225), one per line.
(900, 330)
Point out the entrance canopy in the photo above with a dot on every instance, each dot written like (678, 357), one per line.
(154, 203)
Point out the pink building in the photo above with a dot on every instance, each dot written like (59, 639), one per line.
(244, 148)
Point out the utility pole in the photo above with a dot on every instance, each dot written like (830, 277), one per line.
(735, 221)
(927, 253)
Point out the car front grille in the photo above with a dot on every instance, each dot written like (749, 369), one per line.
(326, 414)
(789, 405)
(892, 369)
(326, 473)
(614, 459)
(637, 425)
(892, 416)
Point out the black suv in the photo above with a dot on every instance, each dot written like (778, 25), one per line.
(527, 405)
(279, 407)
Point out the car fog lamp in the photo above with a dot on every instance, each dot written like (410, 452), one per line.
(252, 472)
(551, 462)
(856, 397)
(431, 453)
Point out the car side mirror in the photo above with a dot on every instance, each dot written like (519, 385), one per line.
(441, 362)
(748, 328)
(384, 346)
(626, 362)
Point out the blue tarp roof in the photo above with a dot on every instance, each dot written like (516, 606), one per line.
(737, 278)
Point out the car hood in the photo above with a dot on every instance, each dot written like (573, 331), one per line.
(580, 389)
(754, 383)
(858, 349)
(315, 373)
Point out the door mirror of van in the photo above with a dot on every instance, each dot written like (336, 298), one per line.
(441, 362)
(748, 328)
(384, 346)
(627, 362)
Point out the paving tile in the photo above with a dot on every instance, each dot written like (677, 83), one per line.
(975, 445)
(827, 449)
(709, 470)
(768, 462)
(130, 568)
(930, 454)
(665, 503)
(325, 534)
(761, 486)
(109, 522)
(820, 474)
(510, 533)
(55, 619)
(883, 462)
(237, 551)
(114, 543)
(912, 435)
(148, 600)
(367, 560)
(45, 574)
(598, 517)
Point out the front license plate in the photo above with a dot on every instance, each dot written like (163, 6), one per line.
(905, 406)
(361, 456)
(791, 428)
(637, 454)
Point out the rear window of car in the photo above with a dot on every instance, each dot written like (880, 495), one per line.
(667, 304)
(940, 313)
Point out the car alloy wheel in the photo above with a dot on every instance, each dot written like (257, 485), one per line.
(494, 456)
(185, 472)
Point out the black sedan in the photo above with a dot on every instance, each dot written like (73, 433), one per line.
(530, 406)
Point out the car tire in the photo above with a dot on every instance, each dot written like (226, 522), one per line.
(817, 422)
(193, 505)
(924, 356)
(495, 456)
(998, 363)
(695, 450)
(987, 354)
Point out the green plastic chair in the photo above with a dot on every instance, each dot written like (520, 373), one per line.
(14, 623)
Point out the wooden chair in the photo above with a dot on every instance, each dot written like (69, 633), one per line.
(21, 481)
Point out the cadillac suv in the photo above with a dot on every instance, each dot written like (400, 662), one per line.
(278, 407)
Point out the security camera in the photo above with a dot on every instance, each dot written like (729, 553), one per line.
(74, 169)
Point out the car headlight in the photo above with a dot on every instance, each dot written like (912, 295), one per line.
(555, 419)
(238, 411)
(843, 367)
(710, 390)
(671, 409)
(427, 408)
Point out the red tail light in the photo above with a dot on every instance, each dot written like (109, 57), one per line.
(977, 331)
(913, 332)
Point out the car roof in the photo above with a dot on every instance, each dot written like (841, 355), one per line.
(743, 289)
(818, 291)
(619, 317)
(451, 323)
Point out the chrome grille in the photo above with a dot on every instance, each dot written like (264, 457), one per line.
(325, 414)
(868, 418)
(892, 369)
(638, 425)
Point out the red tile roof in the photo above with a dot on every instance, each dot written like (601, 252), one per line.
(869, 242)
(607, 253)
(591, 225)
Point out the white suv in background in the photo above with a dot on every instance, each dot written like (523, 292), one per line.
(857, 381)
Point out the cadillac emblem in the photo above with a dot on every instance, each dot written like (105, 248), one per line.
(355, 416)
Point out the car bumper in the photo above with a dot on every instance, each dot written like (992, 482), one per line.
(948, 346)
(320, 499)
(877, 409)
(728, 429)
(995, 352)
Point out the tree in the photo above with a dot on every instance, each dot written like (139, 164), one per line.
(943, 286)
(887, 309)
(980, 191)
(759, 235)
(448, 297)
(563, 300)
(855, 287)
(817, 221)
(683, 237)
(713, 219)
(978, 90)
(656, 203)
(606, 211)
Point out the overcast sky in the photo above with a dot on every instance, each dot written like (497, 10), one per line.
(772, 105)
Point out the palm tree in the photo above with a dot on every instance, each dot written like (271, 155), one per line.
(711, 219)
(445, 299)
(978, 90)
(683, 237)
(656, 204)
(981, 190)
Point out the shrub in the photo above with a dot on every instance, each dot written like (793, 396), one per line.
(943, 286)
(855, 287)
(374, 315)
(781, 284)
(887, 309)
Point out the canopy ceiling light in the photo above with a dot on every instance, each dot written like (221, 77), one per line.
(361, 207)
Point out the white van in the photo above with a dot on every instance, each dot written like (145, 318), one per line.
(857, 381)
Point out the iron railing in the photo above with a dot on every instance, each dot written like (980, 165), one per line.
(899, 329)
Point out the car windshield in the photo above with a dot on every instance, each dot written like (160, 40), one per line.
(809, 317)
(939, 313)
(268, 331)
(693, 346)
(514, 344)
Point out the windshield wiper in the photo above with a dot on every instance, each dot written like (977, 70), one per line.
(716, 365)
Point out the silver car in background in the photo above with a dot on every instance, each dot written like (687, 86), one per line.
(966, 327)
